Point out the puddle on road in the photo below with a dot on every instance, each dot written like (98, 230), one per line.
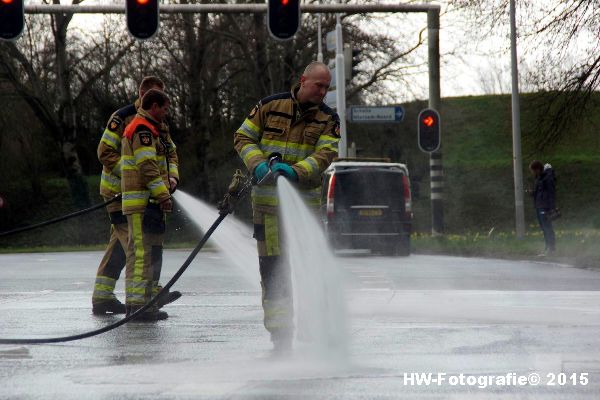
(14, 352)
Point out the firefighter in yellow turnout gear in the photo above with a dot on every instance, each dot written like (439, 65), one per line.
(109, 154)
(146, 196)
(305, 132)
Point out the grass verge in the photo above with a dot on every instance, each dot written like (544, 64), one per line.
(574, 247)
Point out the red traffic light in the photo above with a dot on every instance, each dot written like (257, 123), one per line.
(429, 130)
(142, 18)
(283, 17)
(12, 19)
(428, 121)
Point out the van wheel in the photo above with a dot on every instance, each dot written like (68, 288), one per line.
(403, 247)
(390, 248)
(334, 242)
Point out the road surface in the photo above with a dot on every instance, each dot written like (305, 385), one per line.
(418, 327)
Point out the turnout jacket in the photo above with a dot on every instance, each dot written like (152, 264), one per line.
(109, 153)
(306, 138)
(145, 166)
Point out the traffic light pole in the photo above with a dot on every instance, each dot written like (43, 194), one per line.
(231, 8)
(319, 39)
(340, 82)
(436, 171)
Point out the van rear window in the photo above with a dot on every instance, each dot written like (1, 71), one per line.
(364, 187)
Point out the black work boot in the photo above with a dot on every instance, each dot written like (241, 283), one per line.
(112, 306)
(151, 314)
(167, 298)
(282, 344)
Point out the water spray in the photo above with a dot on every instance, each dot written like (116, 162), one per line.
(238, 188)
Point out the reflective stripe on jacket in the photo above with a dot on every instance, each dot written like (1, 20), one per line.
(144, 170)
(307, 140)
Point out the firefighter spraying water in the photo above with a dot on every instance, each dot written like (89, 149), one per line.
(305, 131)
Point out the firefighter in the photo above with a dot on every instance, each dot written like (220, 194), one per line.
(109, 153)
(146, 195)
(299, 126)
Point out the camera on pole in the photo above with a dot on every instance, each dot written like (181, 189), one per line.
(12, 19)
(429, 130)
(142, 18)
(283, 18)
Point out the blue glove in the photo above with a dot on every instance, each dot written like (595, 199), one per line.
(285, 170)
(261, 170)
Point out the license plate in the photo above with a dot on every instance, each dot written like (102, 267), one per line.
(370, 213)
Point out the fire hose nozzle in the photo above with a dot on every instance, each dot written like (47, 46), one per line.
(273, 159)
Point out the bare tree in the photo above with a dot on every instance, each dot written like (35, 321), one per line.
(43, 67)
(559, 37)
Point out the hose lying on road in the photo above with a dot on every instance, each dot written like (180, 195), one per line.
(237, 190)
(153, 301)
(58, 219)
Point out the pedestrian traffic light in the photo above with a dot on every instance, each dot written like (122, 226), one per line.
(12, 19)
(429, 130)
(142, 18)
(283, 18)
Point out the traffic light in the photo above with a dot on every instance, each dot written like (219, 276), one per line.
(351, 60)
(429, 130)
(283, 18)
(12, 19)
(142, 18)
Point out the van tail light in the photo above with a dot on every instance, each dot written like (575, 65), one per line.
(330, 192)
(407, 200)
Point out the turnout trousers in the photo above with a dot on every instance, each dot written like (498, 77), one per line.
(275, 277)
(113, 260)
(144, 255)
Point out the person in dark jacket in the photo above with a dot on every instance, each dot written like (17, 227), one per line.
(544, 199)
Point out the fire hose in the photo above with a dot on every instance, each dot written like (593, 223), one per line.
(237, 190)
(59, 219)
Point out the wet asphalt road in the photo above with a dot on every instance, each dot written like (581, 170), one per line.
(422, 314)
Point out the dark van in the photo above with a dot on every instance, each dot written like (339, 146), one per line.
(367, 205)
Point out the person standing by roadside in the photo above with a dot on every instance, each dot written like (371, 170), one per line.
(104, 300)
(544, 198)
